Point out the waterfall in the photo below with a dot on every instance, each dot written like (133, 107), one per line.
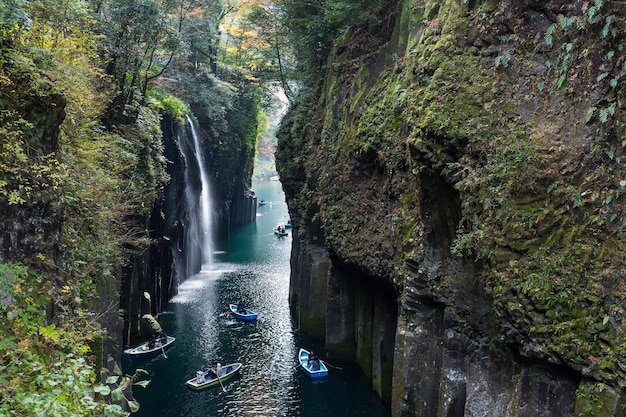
(204, 203)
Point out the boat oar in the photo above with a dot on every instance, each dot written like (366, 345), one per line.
(219, 379)
(335, 367)
(296, 367)
(163, 350)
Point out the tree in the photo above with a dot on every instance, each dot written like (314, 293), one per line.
(274, 53)
(140, 42)
(202, 31)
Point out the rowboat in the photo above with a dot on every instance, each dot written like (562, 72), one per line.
(206, 379)
(280, 231)
(263, 202)
(145, 350)
(310, 368)
(245, 315)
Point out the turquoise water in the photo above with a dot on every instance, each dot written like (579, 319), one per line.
(252, 265)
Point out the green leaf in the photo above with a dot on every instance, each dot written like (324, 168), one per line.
(142, 383)
(117, 394)
(611, 109)
(548, 40)
(605, 320)
(604, 115)
(605, 29)
(113, 379)
(548, 35)
(133, 406)
(613, 83)
(590, 112)
(113, 410)
(102, 389)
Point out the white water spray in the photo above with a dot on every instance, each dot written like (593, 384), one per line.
(204, 206)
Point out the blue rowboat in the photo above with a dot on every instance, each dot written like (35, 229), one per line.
(243, 315)
(206, 380)
(145, 350)
(311, 369)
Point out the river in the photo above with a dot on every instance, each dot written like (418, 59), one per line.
(252, 265)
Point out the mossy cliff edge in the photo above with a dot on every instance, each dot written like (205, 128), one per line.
(457, 175)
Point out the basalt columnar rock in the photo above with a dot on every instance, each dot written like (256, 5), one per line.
(456, 185)
(175, 225)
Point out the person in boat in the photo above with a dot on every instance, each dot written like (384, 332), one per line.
(241, 306)
(152, 330)
(313, 362)
(215, 371)
(210, 374)
(200, 377)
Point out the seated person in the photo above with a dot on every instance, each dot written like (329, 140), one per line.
(200, 377)
(152, 341)
(313, 362)
(241, 307)
(215, 371)
(151, 330)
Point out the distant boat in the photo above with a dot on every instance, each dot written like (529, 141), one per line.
(263, 202)
(245, 315)
(288, 224)
(280, 231)
(205, 379)
(317, 370)
(145, 350)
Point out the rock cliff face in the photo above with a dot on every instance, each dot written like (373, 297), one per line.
(456, 186)
(174, 223)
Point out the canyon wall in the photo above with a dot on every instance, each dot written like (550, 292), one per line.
(456, 186)
(174, 223)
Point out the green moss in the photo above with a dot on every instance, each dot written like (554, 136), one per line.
(597, 400)
(544, 225)
(168, 105)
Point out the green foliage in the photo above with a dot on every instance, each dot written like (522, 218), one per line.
(608, 27)
(315, 25)
(22, 177)
(80, 146)
(93, 189)
(169, 105)
(214, 96)
(13, 19)
(45, 367)
(141, 38)
(592, 401)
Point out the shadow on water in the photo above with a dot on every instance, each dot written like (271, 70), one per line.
(252, 265)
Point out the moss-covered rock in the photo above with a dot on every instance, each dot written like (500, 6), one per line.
(478, 147)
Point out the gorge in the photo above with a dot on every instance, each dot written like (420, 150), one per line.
(453, 170)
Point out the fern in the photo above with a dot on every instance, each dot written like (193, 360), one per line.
(548, 35)
(589, 114)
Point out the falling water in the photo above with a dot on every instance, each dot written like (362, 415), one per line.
(204, 205)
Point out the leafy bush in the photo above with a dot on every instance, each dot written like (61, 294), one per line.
(46, 369)
(169, 105)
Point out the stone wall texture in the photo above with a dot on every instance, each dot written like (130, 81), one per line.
(456, 186)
